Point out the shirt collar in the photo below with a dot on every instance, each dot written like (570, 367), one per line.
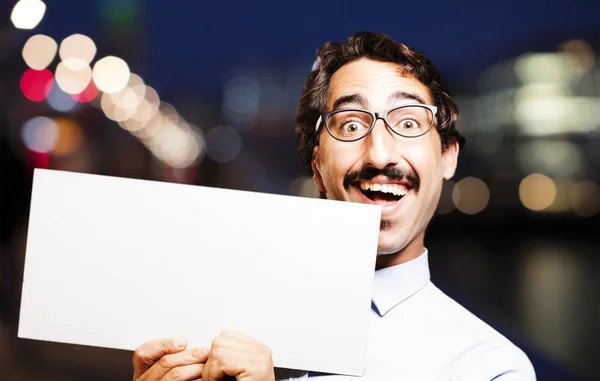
(393, 285)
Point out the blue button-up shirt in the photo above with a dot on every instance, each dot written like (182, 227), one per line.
(418, 333)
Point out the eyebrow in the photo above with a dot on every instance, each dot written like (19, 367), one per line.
(402, 95)
(353, 98)
(362, 101)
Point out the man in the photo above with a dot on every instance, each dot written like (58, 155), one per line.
(375, 124)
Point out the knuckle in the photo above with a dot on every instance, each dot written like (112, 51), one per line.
(217, 341)
(174, 375)
(216, 354)
(141, 354)
(164, 362)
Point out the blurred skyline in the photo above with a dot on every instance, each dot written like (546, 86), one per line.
(212, 102)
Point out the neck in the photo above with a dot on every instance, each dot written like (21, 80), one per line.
(408, 253)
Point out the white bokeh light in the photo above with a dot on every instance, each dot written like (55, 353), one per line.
(78, 46)
(111, 74)
(27, 14)
(39, 51)
(73, 75)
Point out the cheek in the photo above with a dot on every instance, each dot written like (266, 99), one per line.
(337, 160)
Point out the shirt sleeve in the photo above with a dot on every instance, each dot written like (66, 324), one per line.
(503, 363)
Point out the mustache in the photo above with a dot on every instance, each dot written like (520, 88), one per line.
(392, 173)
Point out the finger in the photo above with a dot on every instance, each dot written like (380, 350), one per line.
(184, 373)
(239, 335)
(169, 362)
(148, 353)
(230, 342)
(224, 362)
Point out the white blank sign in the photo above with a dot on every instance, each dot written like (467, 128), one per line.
(114, 262)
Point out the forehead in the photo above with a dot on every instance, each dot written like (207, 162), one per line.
(374, 80)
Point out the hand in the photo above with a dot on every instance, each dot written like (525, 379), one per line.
(168, 360)
(240, 356)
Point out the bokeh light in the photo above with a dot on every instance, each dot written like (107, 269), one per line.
(470, 195)
(40, 134)
(446, 204)
(241, 98)
(36, 84)
(177, 145)
(537, 192)
(111, 74)
(585, 198)
(88, 94)
(77, 46)
(131, 96)
(545, 68)
(555, 157)
(39, 51)
(70, 137)
(223, 144)
(112, 111)
(581, 51)
(73, 75)
(27, 14)
(59, 100)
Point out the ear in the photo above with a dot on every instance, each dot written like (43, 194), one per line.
(450, 160)
(316, 168)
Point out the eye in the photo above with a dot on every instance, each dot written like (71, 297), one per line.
(352, 127)
(409, 124)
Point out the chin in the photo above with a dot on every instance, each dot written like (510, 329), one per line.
(388, 245)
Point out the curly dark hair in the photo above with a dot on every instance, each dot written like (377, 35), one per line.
(333, 55)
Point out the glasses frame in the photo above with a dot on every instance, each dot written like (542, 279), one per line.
(375, 116)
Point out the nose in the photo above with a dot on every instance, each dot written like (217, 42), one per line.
(381, 146)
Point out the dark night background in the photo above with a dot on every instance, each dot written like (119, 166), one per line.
(525, 75)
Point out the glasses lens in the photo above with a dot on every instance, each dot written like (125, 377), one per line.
(349, 125)
(411, 120)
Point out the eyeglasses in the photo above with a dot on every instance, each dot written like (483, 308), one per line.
(350, 124)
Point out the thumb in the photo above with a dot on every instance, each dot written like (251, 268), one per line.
(148, 353)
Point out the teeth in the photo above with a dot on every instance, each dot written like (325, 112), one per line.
(395, 189)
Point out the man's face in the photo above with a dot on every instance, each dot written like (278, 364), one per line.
(415, 166)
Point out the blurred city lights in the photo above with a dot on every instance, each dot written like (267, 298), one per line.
(39, 51)
(40, 134)
(112, 111)
(551, 278)
(561, 202)
(27, 14)
(241, 98)
(111, 74)
(36, 84)
(88, 94)
(581, 51)
(59, 100)
(77, 46)
(130, 97)
(178, 145)
(70, 137)
(545, 68)
(558, 158)
(73, 75)
(585, 198)
(223, 144)
(148, 129)
(446, 204)
(470, 195)
(537, 192)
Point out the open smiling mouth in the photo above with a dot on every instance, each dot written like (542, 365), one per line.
(382, 194)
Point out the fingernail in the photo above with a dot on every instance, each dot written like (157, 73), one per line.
(200, 353)
(180, 343)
